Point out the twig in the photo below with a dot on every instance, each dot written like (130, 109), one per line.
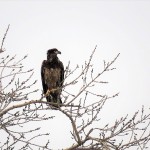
(1, 49)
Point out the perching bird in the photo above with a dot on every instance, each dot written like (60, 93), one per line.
(52, 75)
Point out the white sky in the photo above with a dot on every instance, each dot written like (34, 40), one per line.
(75, 27)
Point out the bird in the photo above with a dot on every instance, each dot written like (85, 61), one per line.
(52, 76)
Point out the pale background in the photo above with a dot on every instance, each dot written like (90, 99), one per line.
(75, 27)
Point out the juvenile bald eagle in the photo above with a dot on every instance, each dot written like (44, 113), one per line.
(52, 75)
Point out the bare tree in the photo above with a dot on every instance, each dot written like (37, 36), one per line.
(82, 106)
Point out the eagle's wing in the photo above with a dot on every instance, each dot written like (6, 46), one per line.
(61, 73)
(45, 88)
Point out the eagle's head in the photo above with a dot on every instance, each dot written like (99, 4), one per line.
(52, 54)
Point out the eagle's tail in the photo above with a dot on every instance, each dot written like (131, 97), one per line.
(49, 98)
(54, 99)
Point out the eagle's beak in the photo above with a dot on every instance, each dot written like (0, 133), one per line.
(58, 52)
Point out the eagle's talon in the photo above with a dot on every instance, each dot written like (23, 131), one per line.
(50, 91)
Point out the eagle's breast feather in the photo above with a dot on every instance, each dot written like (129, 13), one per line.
(52, 77)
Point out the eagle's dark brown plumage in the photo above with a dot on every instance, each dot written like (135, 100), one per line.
(52, 75)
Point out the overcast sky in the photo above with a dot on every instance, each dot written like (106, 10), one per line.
(74, 28)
